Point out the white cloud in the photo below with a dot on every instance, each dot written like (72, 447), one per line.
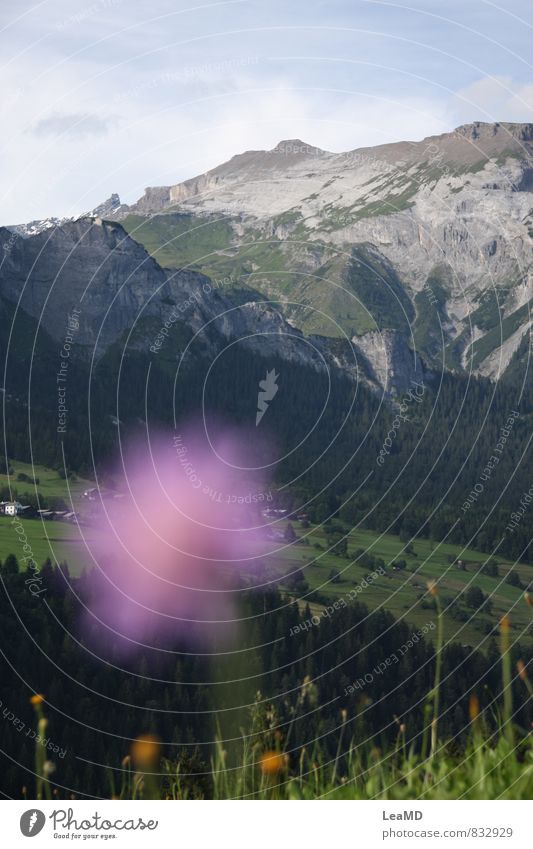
(493, 99)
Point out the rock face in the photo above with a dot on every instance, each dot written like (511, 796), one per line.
(391, 363)
(108, 208)
(87, 265)
(452, 212)
(93, 270)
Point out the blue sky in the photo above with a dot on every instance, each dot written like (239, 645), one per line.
(111, 95)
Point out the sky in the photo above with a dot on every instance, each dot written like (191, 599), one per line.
(107, 96)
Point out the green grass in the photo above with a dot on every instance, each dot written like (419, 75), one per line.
(277, 268)
(177, 240)
(379, 290)
(50, 483)
(404, 593)
(485, 770)
(58, 541)
(490, 760)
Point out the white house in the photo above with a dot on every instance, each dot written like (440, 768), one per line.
(12, 508)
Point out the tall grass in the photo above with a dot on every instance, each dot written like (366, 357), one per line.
(488, 764)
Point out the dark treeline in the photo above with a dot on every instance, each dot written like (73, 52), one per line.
(305, 679)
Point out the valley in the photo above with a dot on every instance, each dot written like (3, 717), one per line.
(322, 564)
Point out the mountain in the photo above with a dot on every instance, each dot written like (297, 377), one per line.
(92, 269)
(172, 309)
(429, 241)
(121, 295)
(298, 176)
(389, 262)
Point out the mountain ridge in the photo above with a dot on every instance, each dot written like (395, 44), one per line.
(466, 145)
(426, 244)
(453, 211)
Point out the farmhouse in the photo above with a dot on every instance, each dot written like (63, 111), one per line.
(13, 508)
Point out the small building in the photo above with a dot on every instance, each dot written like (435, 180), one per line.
(273, 513)
(12, 508)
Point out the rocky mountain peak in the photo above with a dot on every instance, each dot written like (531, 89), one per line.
(250, 181)
(480, 141)
(480, 130)
(108, 207)
(297, 147)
